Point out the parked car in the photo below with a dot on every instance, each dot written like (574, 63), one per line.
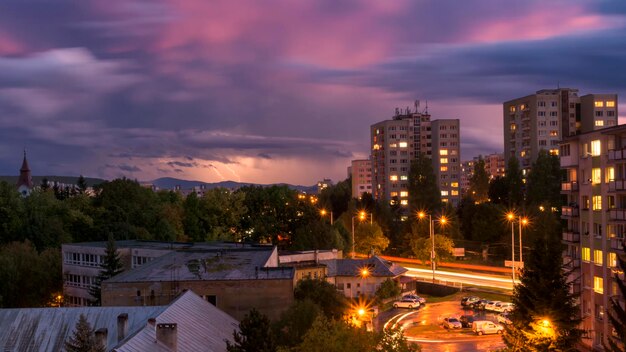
(480, 305)
(485, 327)
(503, 307)
(468, 301)
(492, 305)
(503, 318)
(452, 323)
(466, 320)
(420, 299)
(406, 303)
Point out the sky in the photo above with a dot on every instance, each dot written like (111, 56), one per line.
(277, 90)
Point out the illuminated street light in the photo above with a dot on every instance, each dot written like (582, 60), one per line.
(442, 220)
(511, 217)
(545, 323)
(323, 213)
(364, 272)
(361, 215)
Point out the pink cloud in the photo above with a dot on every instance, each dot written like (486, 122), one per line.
(9, 45)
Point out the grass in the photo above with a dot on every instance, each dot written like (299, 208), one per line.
(492, 296)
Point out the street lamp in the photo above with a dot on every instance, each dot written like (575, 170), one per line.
(511, 217)
(442, 221)
(523, 221)
(361, 216)
(323, 213)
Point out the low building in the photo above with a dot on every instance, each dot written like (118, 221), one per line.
(187, 323)
(307, 263)
(233, 279)
(357, 277)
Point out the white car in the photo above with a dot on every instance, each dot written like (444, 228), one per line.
(420, 299)
(484, 327)
(406, 303)
(503, 318)
(452, 323)
(503, 307)
(490, 306)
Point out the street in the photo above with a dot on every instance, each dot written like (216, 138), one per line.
(443, 276)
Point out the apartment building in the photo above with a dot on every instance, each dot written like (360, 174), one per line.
(494, 165)
(447, 158)
(539, 121)
(361, 172)
(595, 212)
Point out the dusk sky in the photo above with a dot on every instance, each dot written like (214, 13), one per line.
(277, 91)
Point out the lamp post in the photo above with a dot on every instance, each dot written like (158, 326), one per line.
(511, 218)
(361, 216)
(323, 212)
(442, 221)
(523, 221)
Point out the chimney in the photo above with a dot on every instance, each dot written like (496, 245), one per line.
(316, 256)
(167, 335)
(122, 326)
(151, 322)
(101, 336)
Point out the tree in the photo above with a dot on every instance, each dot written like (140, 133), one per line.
(295, 322)
(392, 339)
(513, 179)
(111, 266)
(81, 184)
(544, 181)
(617, 313)
(540, 321)
(324, 294)
(498, 190)
(422, 246)
(369, 238)
(336, 198)
(389, 288)
(479, 182)
(317, 234)
(336, 336)
(254, 335)
(83, 339)
(424, 194)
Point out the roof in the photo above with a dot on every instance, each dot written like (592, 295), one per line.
(46, 329)
(208, 264)
(167, 245)
(25, 179)
(200, 327)
(351, 267)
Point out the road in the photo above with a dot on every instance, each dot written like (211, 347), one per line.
(467, 278)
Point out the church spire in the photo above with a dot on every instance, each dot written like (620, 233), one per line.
(25, 181)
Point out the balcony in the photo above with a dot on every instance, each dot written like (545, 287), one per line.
(617, 244)
(569, 212)
(571, 236)
(571, 186)
(571, 263)
(617, 185)
(617, 154)
(617, 214)
(576, 288)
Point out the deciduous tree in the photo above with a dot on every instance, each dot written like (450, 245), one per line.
(254, 335)
(424, 194)
(617, 312)
(479, 182)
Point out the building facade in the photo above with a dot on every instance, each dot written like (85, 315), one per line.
(539, 121)
(447, 158)
(494, 165)
(595, 187)
(361, 177)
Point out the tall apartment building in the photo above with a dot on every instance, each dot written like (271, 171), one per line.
(494, 165)
(467, 170)
(397, 142)
(447, 158)
(595, 186)
(361, 172)
(539, 121)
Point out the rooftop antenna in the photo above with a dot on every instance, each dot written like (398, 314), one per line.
(426, 108)
(417, 106)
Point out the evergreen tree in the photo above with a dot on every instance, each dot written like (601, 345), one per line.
(83, 339)
(44, 184)
(617, 313)
(111, 266)
(479, 182)
(544, 181)
(545, 317)
(498, 190)
(424, 194)
(254, 335)
(513, 179)
(392, 339)
(81, 184)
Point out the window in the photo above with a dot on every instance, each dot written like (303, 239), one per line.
(543, 142)
(554, 114)
(541, 103)
(444, 193)
(598, 284)
(599, 104)
(404, 202)
(610, 113)
(597, 257)
(586, 255)
(403, 144)
(393, 178)
(599, 123)
(597, 202)
(611, 260)
(599, 113)
(565, 150)
(585, 202)
(511, 108)
(443, 160)
(513, 127)
(554, 133)
(443, 152)
(595, 148)
(404, 194)
(553, 103)
(393, 194)
(596, 176)
(541, 113)
(554, 151)
(541, 132)
(541, 123)
(554, 123)
(404, 177)
(454, 192)
(609, 174)
(454, 184)
(443, 168)
(610, 104)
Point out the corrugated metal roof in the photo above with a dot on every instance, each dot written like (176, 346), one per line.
(200, 327)
(352, 267)
(208, 264)
(46, 329)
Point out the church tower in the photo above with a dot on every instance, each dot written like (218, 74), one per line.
(25, 181)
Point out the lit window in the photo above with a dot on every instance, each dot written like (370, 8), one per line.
(599, 104)
(404, 177)
(392, 145)
(597, 257)
(597, 202)
(610, 104)
(454, 185)
(609, 172)
(595, 148)
(404, 202)
(513, 127)
(596, 176)
(443, 168)
(443, 152)
(376, 147)
(598, 284)
(454, 192)
(403, 144)
(444, 193)
(522, 107)
(611, 260)
(586, 254)
(554, 151)
(393, 194)
(599, 123)
(404, 194)
(443, 160)
(512, 108)
(393, 178)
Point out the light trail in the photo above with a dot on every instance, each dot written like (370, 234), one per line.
(463, 278)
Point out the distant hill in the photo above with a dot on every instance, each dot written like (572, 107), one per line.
(171, 183)
(61, 179)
